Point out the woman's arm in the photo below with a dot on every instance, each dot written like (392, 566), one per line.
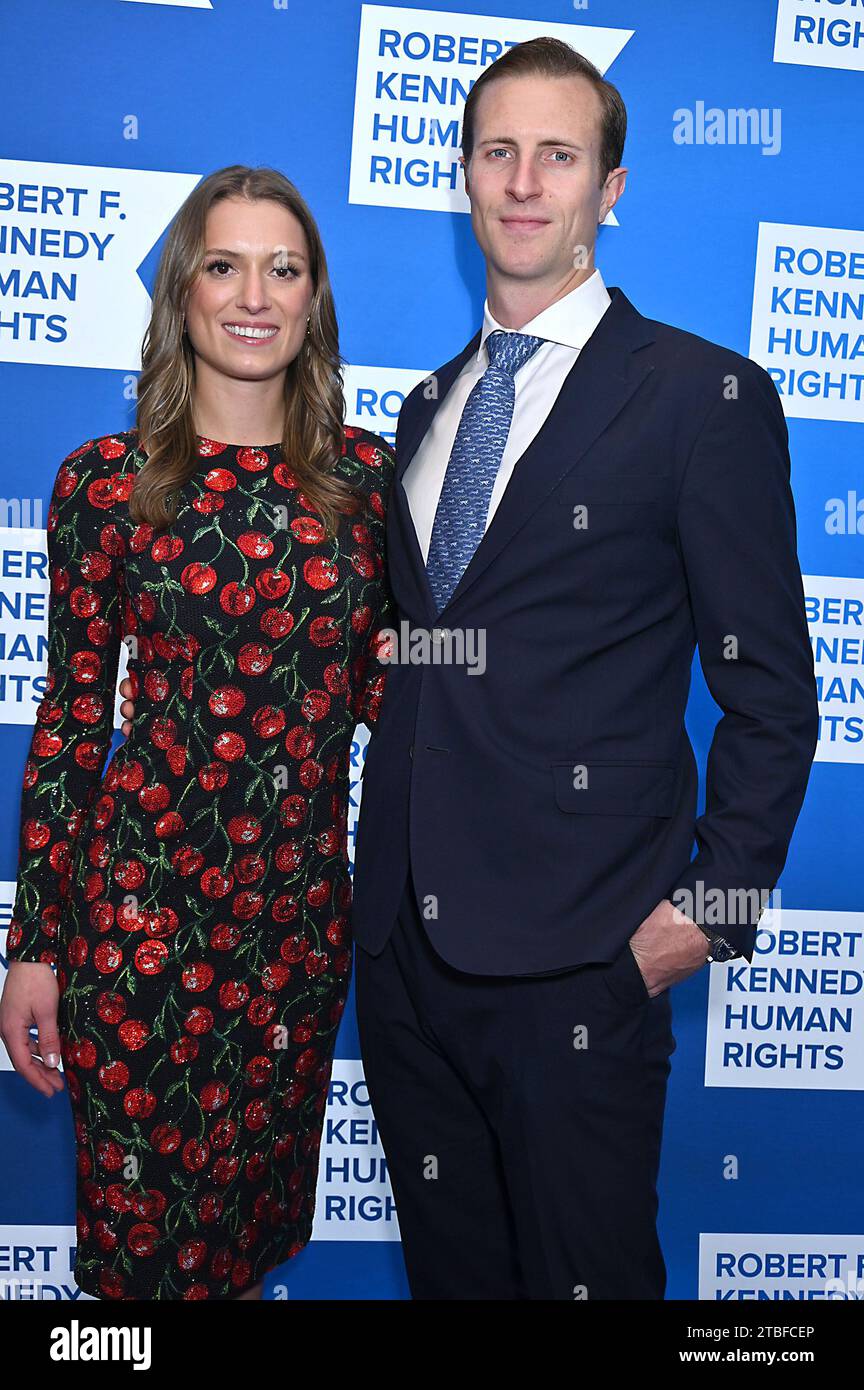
(75, 717)
(373, 671)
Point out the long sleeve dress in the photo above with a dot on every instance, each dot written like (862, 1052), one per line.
(195, 895)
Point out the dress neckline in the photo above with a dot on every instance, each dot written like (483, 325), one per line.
(226, 444)
(219, 445)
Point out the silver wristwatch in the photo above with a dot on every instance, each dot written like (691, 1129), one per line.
(720, 948)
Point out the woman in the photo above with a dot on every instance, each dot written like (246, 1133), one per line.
(195, 897)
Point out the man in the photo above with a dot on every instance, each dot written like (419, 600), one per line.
(590, 493)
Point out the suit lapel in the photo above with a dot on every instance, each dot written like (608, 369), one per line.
(598, 386)
(443, 379)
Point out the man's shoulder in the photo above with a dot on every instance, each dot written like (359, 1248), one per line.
(695, 373)
(692, 359)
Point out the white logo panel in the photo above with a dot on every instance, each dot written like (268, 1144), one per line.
(794, 1017)
(414, 70)
(806, 328)
(819, 35)
(354, 1200)
(736, 1266)
(835, 617)
(72, 238)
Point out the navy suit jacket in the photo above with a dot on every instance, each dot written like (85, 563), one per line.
(546, 806)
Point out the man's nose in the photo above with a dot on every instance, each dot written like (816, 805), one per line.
(524, 180)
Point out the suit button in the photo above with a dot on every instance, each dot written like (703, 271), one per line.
(411, 751)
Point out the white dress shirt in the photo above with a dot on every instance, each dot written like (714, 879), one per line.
(566, 326)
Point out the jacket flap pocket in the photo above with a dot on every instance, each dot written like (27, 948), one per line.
(615, 788)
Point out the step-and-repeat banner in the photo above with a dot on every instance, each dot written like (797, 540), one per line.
(742, 221)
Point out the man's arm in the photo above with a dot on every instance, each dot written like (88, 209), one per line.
(737, 532)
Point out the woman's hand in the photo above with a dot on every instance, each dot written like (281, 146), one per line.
(30, 997)
(127, 709)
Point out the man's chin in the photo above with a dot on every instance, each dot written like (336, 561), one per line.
(522, 267)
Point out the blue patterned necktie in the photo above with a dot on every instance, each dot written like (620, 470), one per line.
(460, 518)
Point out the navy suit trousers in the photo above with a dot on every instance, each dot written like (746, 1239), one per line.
(521, 1119)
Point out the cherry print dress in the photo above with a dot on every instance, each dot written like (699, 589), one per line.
(195, 896)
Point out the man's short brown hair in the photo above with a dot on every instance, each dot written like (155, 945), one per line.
(547, 57)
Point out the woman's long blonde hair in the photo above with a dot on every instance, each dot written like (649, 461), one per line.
(314, 404)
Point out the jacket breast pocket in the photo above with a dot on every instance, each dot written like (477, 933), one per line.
(617, 501)
(614, 787)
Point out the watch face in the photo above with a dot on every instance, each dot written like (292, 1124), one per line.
(721, 950)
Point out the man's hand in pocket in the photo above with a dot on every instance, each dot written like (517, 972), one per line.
(668, 947)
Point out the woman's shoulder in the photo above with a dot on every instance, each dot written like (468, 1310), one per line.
(97, 475)
(370, 458)
(105, 454)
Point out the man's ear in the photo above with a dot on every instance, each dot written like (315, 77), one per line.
(614, 186)
(464, 172)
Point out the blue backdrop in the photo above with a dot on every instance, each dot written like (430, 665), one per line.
(742, 222)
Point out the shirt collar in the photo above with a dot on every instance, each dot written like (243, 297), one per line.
(570, 321)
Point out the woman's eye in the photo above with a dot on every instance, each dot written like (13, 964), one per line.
(284, 271)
